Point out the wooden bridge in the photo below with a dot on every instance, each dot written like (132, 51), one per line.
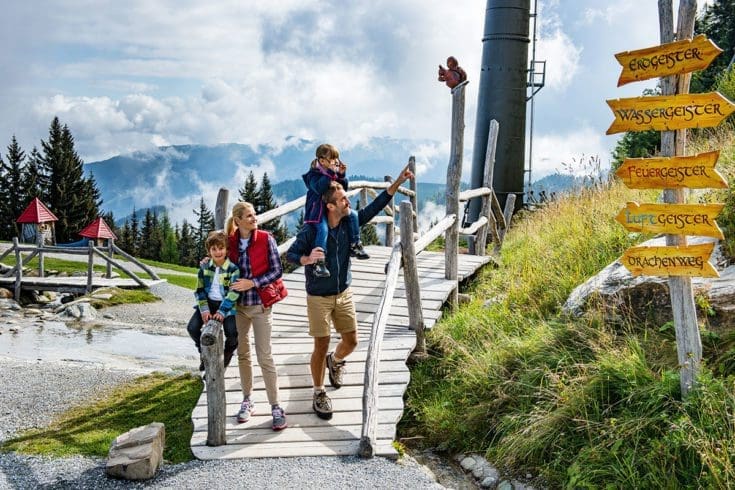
(398, 293)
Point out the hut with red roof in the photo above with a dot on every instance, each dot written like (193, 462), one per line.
(98, 230)
(38, 223)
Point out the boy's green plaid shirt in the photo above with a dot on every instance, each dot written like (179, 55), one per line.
(228, 274)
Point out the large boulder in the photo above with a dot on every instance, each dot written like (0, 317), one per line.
(647, 297)
(138, 453)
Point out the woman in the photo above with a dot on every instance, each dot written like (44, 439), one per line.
(256, 253)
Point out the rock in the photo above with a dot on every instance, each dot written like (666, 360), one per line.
(478, 471)
(468, 463)
(6, 293)
(82, 311)
(32, 312)
(489, 482)
(108, 316)
(505, 485)
(618, 292)
(102, 296)
(9, 304)
(138, 453)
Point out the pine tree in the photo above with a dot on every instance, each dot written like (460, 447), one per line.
(718, 23)
(134, 234)
(249, 192)
(146, 232)
(188, 246)
(73, 198)
(125, 238)
(34, 181)
(169, 248)
(266, 202)
(12, 192)
(205, 224)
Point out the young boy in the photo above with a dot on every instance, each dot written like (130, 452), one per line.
(213, 294)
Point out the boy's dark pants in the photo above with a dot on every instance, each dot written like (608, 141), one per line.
(229, 326)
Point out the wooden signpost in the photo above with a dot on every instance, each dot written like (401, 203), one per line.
(669, 112)
(691, 260)
(668, 59)
(693, 172)
(672, 113)
(675, 219)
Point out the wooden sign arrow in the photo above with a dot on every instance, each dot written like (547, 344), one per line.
(693, 172)
(669, 112)
(674, 219)
(692, 260)
(667, 59)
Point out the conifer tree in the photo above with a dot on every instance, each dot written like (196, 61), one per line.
(12, 192)
(125, 238)
(169, 248)
(134, 234)
(187, 246)
(249, 192)
(266, 202)
(34, 181)
(205, 224)
(146, 233)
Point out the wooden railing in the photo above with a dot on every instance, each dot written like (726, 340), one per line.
(106, 253)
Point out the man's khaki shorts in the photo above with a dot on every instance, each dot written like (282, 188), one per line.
(325, 310)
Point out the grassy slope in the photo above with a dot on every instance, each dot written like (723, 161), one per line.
(583, 402)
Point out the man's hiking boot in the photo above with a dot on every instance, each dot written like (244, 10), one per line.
(279, 418)
(320, 269)
(336, 370)
(201, 365)
(358, 252)
(322, 405)
(247, 408)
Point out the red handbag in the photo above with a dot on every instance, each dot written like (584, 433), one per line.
(272, 293)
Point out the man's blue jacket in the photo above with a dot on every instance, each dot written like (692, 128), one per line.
(337, 255)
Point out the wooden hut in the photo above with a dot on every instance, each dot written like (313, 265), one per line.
(98, 230)
(37, 224)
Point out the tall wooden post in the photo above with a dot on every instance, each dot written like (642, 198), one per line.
(214, 369)
(454, 174)
(415, 198)
(673, 143)
(111, 254)
(480, 242)
(390, 227)
(411, 281)
(18, 269)
(220, 209)
(90, 266)
(39, 244)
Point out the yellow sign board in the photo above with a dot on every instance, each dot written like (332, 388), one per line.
(674, 219)
(693, 172)
(692, 260)
(667, 59)
(669, 112)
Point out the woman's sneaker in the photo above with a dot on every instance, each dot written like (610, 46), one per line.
(279, 418)
(322, 405)
(247, 408)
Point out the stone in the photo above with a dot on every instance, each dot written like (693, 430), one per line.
(83, 312)
(468, 463)
(619, 293)
(505, 485)
(32, 312)
(489, 482)
(108, 316)
(6, 293)
(138, 453)
(102, 296)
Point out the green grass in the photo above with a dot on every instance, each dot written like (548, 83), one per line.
(89, 430)
(188, 282)
(122, 296)
(589, 402)
(173, 267)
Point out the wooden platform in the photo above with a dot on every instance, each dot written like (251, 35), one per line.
(307, 435)
(73, 284)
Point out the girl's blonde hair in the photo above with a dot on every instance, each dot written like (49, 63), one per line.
(238, 211)
(327, 151)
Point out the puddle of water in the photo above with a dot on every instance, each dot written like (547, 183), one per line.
(113, 347)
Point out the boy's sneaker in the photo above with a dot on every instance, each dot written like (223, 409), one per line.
(322, 405)
(279, 418)
(336, 370)
(358, 252)
(320, 269)
(247, 408)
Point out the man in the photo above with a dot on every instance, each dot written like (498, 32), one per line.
(329, 299)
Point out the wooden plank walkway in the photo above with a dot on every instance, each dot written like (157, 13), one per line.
(308, 435)
(73, 283)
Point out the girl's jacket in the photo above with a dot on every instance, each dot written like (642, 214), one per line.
(317, 181)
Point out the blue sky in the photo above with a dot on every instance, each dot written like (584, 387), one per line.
(132, 75)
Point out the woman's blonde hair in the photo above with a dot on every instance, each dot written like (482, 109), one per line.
(327, 151)
(238, 211)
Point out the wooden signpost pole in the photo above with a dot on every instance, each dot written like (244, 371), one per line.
(673, 143)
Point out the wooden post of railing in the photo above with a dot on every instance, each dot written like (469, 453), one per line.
(411, 281)
(220, 208)
(415, 198)
(39, 244)
(486, 209)
(363, 197)
(90, 266)
(510, 203)
(454, 174)
(111, 254)
(214, 369)
(368, 440)
(18, 269)
(390, 232)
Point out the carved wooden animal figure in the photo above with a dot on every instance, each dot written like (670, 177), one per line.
(453, 74)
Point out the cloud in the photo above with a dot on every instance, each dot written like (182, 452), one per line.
(570, 151)
(562, 59)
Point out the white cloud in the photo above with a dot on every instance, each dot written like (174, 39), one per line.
(562, 59)
(571, 151)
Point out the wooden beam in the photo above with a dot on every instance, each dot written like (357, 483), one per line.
(214, 369)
